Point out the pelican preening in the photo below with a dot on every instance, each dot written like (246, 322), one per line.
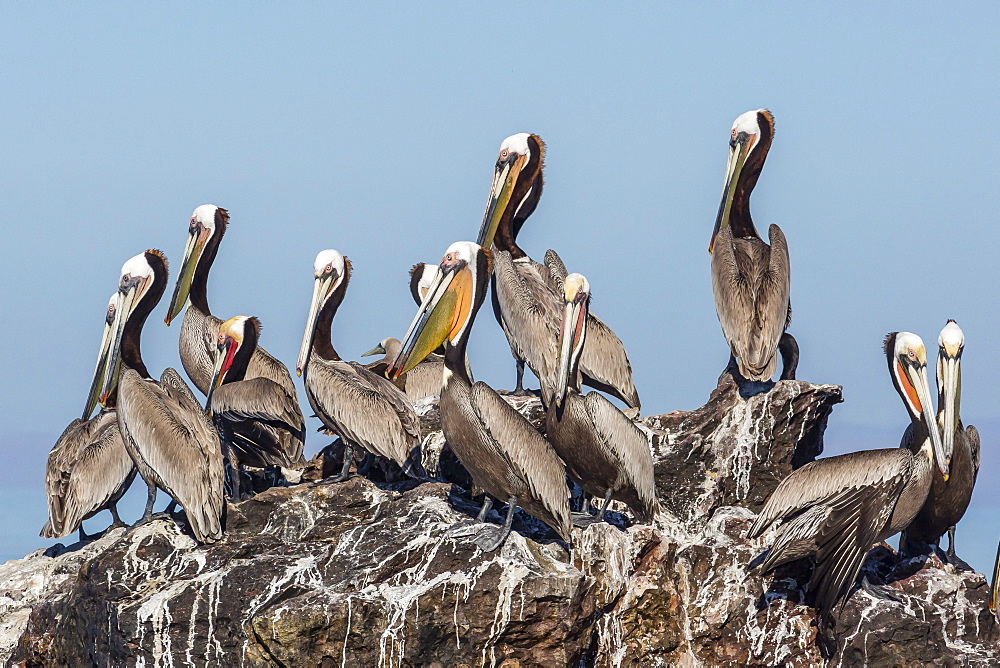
(259, 421)
(503, 453)
(365, 410)
(750, 279)
(604, 452)
(835, 509)
(948, 498)
(526, 299)
(88, 469)
(165, 430)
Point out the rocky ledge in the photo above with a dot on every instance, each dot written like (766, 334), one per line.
(365, 573)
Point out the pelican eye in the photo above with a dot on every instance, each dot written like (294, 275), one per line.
(912, 355)
(503, 153)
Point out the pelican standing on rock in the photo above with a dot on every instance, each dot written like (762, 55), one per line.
(502, 451)
(365, 410)
(255, 417)
(948, 499)
(526, 295)
(751, 280)
(835, 509)
(604, 452)
(165, 430)
(88, 469)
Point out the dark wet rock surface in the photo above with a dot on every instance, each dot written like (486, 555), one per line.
(385, 573)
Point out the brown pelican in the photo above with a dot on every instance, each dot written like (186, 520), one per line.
(750, 279)
(605, 453)
(421, 382)
(365, 410)
(165, 430)
(200, 330)
(255, 417)
(502, 452)
(948, 499)
(88, 469)
(526, 297)
(835, 509)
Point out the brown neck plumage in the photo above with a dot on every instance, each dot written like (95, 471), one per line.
(523, 200)
(739, 217)
(131, 354)
(199, 282)
(322, 342)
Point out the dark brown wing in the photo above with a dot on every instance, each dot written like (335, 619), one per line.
(626, 444)
(530, 317)
(177, 442)
(87, 470)
(265, 422)
(363, 409)
(539, 477)
(972, 434)
(825, 479)
(836, 508)
(258, 399)
(751, 283)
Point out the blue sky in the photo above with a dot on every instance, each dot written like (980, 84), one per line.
(373, 130)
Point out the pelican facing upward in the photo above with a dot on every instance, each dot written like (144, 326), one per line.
(255, 417)
(948, 499)
(835, 509)
(503, 453)
(605, 453)
(365, 410)
(165, 430)
(751, 280)
(527, 297)
(88, 469)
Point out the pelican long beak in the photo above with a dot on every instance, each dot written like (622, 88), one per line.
(129, 295)
(949, 396)
(739, 148)
(323, 287)
(442, 314)
(504, 179)
(102, 361)
(192, 253)
(377, 350)
(918, 377)
(571, 336)
(223, 361)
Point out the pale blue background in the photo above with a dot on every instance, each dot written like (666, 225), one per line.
(374, 130)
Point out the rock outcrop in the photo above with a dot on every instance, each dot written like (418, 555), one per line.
(365, 573)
